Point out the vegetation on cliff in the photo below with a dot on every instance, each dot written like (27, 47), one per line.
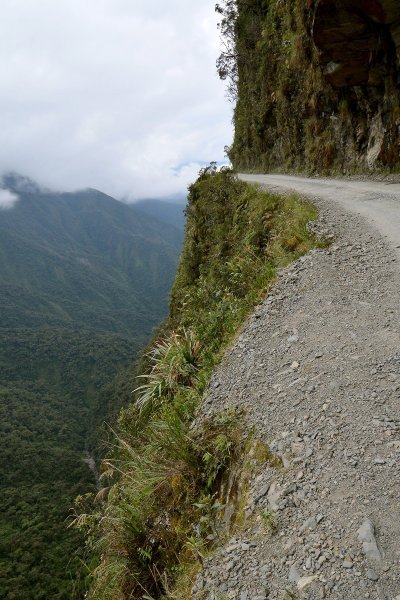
(315, 84)
(163, 500)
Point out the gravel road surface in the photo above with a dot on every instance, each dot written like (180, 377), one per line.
(379, 203)
(317, 370)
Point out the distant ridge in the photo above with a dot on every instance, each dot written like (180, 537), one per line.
(84, 258)
(172, 213)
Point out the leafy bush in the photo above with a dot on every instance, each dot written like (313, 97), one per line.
(174, 363)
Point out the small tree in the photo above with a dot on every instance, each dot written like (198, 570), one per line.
(227, 62)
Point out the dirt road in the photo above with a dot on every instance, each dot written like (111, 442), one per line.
(317, 371)
(379, 203)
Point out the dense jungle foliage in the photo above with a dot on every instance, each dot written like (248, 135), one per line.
(52, 386)
(162, 498)
(83, 281)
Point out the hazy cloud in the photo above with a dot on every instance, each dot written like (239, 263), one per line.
(7, 199)
(120, 95)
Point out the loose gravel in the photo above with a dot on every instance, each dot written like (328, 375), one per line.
(317, 370)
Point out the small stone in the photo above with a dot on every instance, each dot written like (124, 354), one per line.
(294, 575)
(293, 339)
(230, 565)
(305, 582)
(372, 576)
(379, 461)
(275, 494)
(295, 365)
(366, 535)
(310, 524)
(321, 560)
(263, 492)
(347, 564)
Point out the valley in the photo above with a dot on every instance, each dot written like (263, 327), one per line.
(84, 280)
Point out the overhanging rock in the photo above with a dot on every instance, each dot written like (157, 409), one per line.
(359, 40)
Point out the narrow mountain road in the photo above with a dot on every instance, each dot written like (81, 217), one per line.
(379, 203)
(317, 370)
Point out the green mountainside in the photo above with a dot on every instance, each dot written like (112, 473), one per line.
(51, 386)
(83, 281)
(172, 213)
(84, 259)
(167, 480)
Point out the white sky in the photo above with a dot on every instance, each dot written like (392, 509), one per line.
(121, 95)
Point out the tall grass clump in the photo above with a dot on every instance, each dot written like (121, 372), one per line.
(237, 236)
(165, 494)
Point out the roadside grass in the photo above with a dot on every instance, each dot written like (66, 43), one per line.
(171, 478)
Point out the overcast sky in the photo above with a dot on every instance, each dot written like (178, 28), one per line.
(121, 95)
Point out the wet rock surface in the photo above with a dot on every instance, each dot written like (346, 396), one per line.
(317, 369)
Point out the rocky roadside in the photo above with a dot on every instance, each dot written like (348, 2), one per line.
(317, 370)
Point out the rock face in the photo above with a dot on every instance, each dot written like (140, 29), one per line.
(359, 41)
(318, 86)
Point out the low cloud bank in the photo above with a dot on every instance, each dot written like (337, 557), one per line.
(7, 199)
(111, 94)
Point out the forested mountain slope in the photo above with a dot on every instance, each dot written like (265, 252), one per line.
(83, 280)
(83, 259)
(169, 212)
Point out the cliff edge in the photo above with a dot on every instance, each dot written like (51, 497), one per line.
(317, 370)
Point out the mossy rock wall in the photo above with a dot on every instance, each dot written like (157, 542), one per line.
(318, 86)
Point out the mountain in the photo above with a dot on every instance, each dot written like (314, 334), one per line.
(84, 279)
(84, 259)
(316, 84)
(172, 213)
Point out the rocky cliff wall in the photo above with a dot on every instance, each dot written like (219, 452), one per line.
(318, 85)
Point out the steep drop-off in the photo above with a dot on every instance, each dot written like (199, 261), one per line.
(160, 509)
(83, 280)
(316, 83)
